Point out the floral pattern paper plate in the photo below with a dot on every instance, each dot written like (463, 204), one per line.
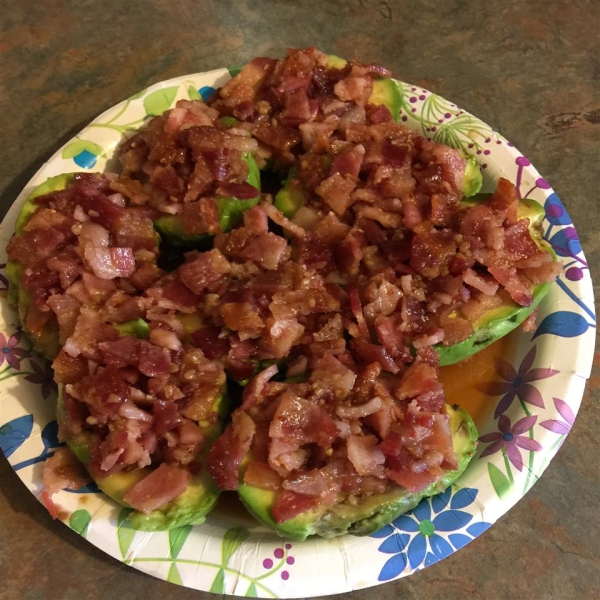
(527, 401)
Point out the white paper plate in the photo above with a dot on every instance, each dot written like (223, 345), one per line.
(536, 390)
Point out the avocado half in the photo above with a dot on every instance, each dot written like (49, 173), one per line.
(497, 322)
(375, 512)
(170, 227)
(46, 343)
(500, 321)
(190, 508)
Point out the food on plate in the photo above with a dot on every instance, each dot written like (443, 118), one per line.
(342, 451)
(291, 236)
(196, 169)
(76, 245)
(177, 493)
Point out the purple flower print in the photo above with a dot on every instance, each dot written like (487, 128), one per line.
(556, 426)
(517, 383)
(511, 439)
(44, 376)
(9, 351)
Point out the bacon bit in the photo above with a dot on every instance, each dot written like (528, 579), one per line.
(336, 192)
(204, 269)
(162, 485)
(363, 454)
(290, 505)
(63, 471)
(154, 361)
(227, 453)
(278, 217)
(256, 386)
(370, 353)
(357, 311)
(529, 324)
(51, 507)
(260, 475)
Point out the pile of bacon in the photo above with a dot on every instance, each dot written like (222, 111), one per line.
(382, 260)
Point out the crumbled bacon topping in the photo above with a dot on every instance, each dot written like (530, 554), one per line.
(381, 261)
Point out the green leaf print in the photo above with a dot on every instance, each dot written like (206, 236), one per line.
(193, 93)
(218, 585)
(138, 95)
(79, 146)
(177, 538)
(79, 521)
(234, 70)
(157, 102)
(174, 576)
(499, 480)
(232, 540)
(125, 533)
(252, 593)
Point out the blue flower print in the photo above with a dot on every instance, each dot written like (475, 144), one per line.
(432, 531)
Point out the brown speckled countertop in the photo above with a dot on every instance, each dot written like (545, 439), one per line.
(530, 69)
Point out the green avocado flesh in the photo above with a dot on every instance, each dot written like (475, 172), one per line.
(473, 178)
(231, 210)
(137, 328)
(190, 508)
(46, 343)
(375, 512)
(500, 321)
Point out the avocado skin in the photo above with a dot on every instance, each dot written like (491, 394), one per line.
(190, 508)
(46, 344)
(377, 511)
(231, 210)
(491, 330)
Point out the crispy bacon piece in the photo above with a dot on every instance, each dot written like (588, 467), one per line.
(204, 269)
(164, 484)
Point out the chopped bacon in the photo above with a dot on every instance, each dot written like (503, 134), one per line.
(204, 269)
(68, 369)
(369, 353)
(34, 247)
(290, 504)
(227, 453)
(146, 275)
(505, 198)
(153, 360)
(164, 484)
(336, 192)
(382, 259)
(366, 458)
(333, 374)
(66, 309)
(278, 217)
(515, 284)
(267, 250)
(121, 352)
(63, 471)
(109, 263)
(355, 88)
(261, 475)
(209, 341)
(479, 283)
(348, 162)
(255, 388)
